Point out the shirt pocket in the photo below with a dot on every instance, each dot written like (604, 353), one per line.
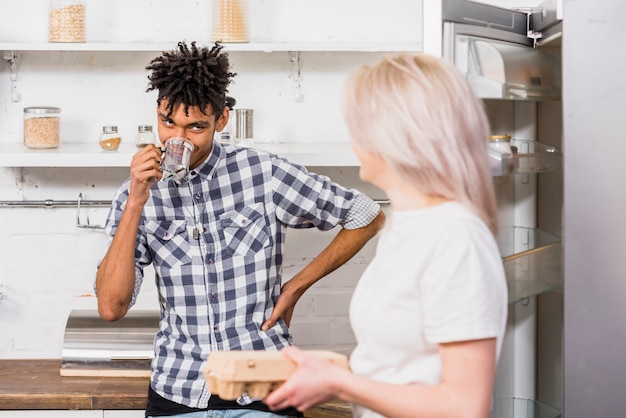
(245, 231)
(169, 242)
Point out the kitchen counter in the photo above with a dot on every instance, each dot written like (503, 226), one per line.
(37, 384)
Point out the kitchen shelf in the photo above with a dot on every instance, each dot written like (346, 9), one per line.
(229, 47)
(532, 261)
(91, 155)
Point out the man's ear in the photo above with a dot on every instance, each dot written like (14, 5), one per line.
(222, 120)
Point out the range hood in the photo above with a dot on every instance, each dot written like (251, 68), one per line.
(491, 46)
(95, 347)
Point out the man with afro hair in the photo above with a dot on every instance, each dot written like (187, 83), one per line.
(216, 239)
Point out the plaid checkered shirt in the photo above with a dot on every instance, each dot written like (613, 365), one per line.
(216, 291)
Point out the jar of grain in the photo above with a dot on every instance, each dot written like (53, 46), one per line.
(66, 21)
(109, 138)
(230, 21)
(42, 127)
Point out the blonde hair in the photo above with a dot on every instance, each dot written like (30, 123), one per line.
(419, 114)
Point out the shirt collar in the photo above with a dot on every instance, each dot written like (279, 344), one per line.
(206, 169)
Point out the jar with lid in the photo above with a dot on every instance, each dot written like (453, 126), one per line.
(144, 136)
(501, 143)
(66, 21)
(109, 138)
(42, 127)
(230, 21)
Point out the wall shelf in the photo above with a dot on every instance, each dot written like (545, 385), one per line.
(91, 155)
(230, 47)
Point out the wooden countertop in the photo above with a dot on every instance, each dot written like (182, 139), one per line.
(37, 384)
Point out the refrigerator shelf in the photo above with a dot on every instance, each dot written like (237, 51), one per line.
(530, 157)
(532, 261)
(523, 408)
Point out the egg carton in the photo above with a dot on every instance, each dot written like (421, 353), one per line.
(231, 373)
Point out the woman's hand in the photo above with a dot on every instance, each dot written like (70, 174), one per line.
(312, 383)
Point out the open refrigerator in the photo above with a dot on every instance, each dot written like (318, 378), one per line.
(512, 59)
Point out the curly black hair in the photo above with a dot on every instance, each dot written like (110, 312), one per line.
(191, 77)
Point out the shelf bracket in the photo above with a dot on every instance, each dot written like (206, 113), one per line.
(295, 75)
(11, 58)
(19, 182)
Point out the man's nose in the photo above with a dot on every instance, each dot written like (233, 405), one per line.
(179, 132)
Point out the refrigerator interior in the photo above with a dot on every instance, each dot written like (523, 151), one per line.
(531, 361)
(519, 80)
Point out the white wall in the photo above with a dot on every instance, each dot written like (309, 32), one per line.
(47, 265)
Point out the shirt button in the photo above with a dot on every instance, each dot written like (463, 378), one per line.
(197, 196)
(214, 327)
(213, 296)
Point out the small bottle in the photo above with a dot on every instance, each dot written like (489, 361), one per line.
(42, 127)
(109, 138)
(144, 136)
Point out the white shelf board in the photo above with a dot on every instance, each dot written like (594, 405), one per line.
(234, 47)
(91, 155)
(333, 154)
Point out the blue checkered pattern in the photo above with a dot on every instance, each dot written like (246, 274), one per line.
(216, 292)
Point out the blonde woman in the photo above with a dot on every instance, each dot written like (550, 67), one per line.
(429, 312)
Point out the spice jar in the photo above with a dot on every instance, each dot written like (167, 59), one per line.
(66, 21)
(144, 136)
(109, 138)
(42, 127)
(230, 21)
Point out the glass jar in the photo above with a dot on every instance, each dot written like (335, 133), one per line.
(144, 136)
(501, 143)
(230, 21)
(66, 21)
(42, 127)
(109, 138)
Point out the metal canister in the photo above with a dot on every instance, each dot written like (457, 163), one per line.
(244, 126)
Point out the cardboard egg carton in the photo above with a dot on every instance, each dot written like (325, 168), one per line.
(231, 373)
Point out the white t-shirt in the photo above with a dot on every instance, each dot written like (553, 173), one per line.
(437, 277)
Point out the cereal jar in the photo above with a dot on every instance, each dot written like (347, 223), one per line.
(42, 127)
(66, 21)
